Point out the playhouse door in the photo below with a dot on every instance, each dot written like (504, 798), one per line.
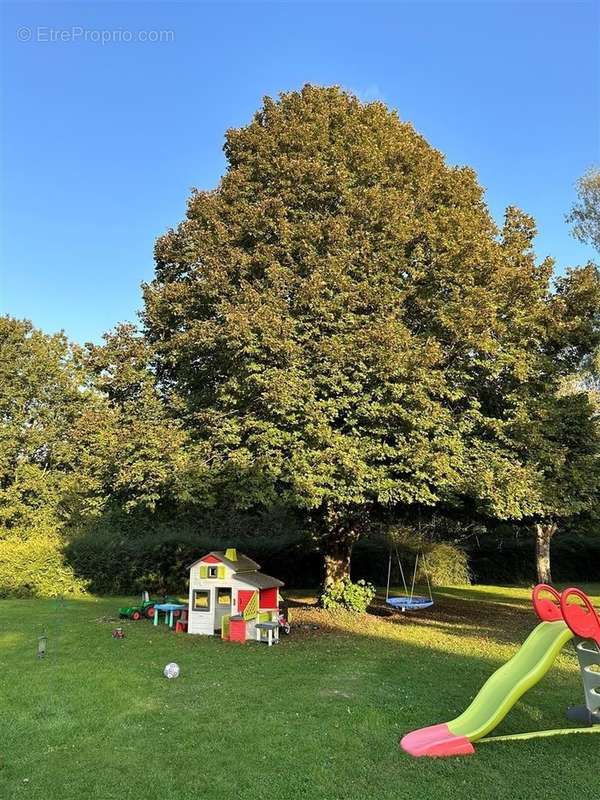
(244, 596)
(223, 597)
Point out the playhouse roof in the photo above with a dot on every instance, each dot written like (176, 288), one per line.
(245, 569)
(241, 564)
(259, 580)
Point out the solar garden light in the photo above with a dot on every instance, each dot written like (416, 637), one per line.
(42, 645)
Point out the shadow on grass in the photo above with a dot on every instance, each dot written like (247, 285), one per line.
(502, 622)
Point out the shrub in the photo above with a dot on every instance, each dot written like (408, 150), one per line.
(351, 596)
(35, 567)
(446, 565)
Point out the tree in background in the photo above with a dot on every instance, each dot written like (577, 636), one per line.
(564, 438)
(549, 421)
(340, 324)
(132, 450)
(563, 435)
(585, 218)
(42, 396)
(566, 430)
(585, 214)
(86, 444)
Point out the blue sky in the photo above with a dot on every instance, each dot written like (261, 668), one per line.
(102, 142)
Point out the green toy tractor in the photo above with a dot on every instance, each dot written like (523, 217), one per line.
(143, 609)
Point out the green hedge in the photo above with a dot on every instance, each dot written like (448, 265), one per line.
(120, 554)
(505, 557)
(124, 554)
(445, 563)
(158, 560)
(35, 567)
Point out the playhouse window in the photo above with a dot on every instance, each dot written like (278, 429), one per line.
(212, 572)
(201, 600)
(223, 597)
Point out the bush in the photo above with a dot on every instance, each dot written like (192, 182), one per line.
(351, 596)
(35, 567)
(446, 565)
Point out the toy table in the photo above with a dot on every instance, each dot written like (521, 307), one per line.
(169, 610)
(272, 630)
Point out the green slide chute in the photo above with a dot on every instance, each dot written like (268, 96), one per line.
(508, 684)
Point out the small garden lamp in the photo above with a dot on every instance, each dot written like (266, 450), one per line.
(42, 645)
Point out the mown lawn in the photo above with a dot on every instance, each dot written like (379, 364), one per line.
(318, 717)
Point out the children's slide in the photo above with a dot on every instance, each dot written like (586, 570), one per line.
(503, 689)
(496, 697)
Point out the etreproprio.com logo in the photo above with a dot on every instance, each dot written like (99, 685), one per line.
(77, 33)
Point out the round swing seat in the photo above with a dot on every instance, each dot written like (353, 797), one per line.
(405, 603)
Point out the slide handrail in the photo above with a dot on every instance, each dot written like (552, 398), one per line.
(582, 619)
(547, 610)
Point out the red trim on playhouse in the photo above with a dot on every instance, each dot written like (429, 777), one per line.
(268, 598)
(244, 596)
(210, 560)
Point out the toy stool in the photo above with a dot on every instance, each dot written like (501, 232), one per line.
(181, 625)
(271, 630)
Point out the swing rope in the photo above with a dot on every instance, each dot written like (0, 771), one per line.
(402, 572)
(412, 588)
(387, 589)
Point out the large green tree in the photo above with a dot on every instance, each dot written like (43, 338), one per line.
(341, 325)
(547, 417)
(42, 396)
(84, 439)
(585, 213)
(132, 450)
(562, 440)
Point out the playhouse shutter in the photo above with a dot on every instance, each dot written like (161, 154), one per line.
(203, 571)
(221, 572)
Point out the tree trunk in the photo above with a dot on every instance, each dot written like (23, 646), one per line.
(337, 562)
(337, 553)
(544, 531)
(337, 530)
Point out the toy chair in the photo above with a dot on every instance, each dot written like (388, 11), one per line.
(181, 624)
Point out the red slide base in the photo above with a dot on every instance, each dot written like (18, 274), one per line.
(436, 741)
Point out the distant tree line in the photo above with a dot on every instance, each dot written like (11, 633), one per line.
(338, 341)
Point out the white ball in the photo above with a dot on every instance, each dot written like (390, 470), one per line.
(171, 670)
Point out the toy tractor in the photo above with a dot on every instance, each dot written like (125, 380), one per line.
(143, 609)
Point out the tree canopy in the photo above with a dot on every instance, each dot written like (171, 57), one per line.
(41, 398)
(341, 323)
(585, 214)
(337, 338)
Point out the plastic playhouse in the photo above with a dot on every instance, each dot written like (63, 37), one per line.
(565, 617)
(228, 595)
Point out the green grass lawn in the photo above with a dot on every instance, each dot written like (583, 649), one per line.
(318, 717)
